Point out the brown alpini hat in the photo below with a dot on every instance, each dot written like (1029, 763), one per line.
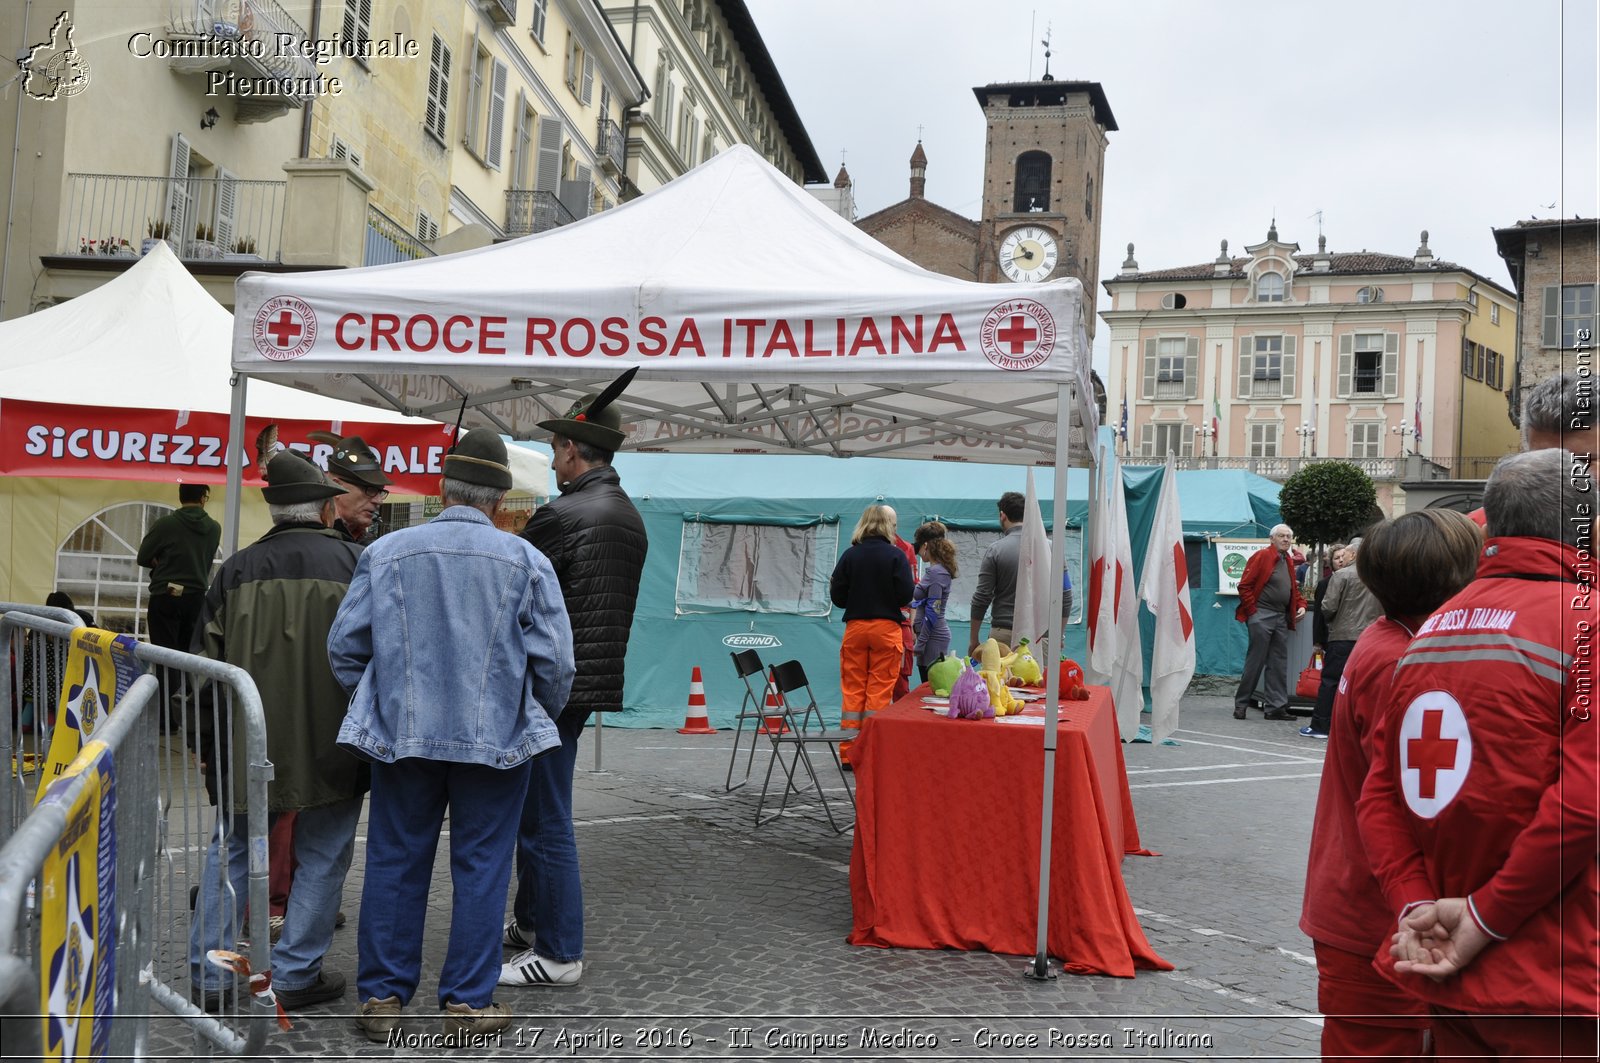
(353, 460)
(595, 421)
(479, 457)
(291, 479)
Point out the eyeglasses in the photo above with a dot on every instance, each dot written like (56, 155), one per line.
(376, 494)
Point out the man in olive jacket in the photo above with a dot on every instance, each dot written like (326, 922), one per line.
(269, 611)
(595, 540)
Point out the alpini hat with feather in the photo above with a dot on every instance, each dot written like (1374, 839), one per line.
(291, 479)
(595, 421)
(352, 459)
(479, 457)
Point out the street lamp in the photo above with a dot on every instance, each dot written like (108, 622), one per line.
(1308, 438)
(1404, 431)
(1208, 432)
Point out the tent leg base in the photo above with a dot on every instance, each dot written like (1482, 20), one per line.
(1039, 970)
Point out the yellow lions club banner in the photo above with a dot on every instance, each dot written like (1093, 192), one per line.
(100, 669)
(77, 931)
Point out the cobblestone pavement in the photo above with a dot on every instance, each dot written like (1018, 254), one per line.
(707, 939)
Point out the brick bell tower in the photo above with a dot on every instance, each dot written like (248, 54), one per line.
(1044, 157)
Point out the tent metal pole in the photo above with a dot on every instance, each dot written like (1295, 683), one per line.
(599, 728)
(235, 466)
(1066, 400)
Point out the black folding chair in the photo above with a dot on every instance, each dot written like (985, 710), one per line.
(790, 679)
(747, 663)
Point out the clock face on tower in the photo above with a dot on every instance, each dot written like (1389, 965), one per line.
(1028, 254)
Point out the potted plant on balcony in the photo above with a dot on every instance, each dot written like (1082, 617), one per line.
(157, 231)
(204, 245)
(244, 250)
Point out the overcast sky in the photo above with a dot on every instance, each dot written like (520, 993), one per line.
(1388, 117)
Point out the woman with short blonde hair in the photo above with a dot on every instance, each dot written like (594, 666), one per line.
(871, 583)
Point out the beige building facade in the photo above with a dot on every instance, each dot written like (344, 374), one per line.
(1555, 267)
(1265, 361)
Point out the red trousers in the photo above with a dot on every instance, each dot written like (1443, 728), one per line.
(1363, 1015)
(869, 664)
(1459, 1037)
(280, 861)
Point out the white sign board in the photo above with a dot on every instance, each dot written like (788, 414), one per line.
(1232, 555)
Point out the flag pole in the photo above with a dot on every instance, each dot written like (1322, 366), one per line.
(1066, 396)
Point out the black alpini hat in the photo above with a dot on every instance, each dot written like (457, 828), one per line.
(596, 422)
(291, 478)
(353, 460)
(479, 457)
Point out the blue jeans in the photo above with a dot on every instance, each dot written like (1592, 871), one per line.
(324, 839)
(408, 803)
(549, 889)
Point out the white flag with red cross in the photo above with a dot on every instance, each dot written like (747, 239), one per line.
(1164, 586)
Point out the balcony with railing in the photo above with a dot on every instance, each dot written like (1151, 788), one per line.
(218, 218)
(610, 145)
(534, 211)
(246, 40)
(1409, 468)
(389, 241)
(1168, 388)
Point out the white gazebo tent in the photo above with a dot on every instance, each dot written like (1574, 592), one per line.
(759, 322)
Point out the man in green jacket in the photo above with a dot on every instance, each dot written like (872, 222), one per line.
(178, 550)
(269, 612)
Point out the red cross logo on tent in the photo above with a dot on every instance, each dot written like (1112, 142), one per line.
(1018, 334)
(284, 328)
(1435, 749)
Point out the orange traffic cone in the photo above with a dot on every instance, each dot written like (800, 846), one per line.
(694, 721)
(773, 724)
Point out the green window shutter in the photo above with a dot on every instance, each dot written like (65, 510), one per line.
(1551, 336)
(1466, 357)
(1246, 359)
(1149, 369)
(1391, 364)
(1191, 369)
(1289, 362)
(1347, 358)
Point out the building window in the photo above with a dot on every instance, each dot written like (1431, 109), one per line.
(1173, 301)
(1472, 298)
(427, 227)
(1569, 317)
(1266, 369)
(1370, 295)
(1176, 439)
(436, 116)
(522, 157)
(1367, 374)
(757, 568)
(1269, 287)
(474, 119)
(358, 25)
(1088, 195)
(579, 70)
(541, 12)
(1264, 440)
(1366, 439)
(1033, 182)
(1494, 365)
(1494, 313)
(1171, 353)
(1469, 360)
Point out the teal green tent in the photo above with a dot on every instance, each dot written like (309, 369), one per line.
(741, 547)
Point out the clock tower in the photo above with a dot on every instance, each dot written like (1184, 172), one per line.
(1044, 157)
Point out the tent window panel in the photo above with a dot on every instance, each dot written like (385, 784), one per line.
(970, 547)
(96, 564)
(756, 568)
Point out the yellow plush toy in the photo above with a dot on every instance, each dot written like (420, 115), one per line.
(994, 671)
(1025, 669)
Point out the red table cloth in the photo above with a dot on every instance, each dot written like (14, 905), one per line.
(946, 851)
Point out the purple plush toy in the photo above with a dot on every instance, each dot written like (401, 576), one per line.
(969, 697)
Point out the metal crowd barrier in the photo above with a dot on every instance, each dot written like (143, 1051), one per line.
(184, 713)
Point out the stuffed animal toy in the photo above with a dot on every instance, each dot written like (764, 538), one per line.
(969, 698)
(942, 673)
(994, 672)
(1072, 688)
(1025, 669)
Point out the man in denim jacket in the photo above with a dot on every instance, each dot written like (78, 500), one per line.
(455, 643)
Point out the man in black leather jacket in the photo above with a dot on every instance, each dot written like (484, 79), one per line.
(595, 540)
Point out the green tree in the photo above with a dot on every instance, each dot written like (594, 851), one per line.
(1327, 501)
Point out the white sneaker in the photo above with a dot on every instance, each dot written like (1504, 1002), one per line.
(517, 938)
(530, 968)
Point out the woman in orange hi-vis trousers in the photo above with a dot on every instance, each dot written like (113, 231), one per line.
(871, 582)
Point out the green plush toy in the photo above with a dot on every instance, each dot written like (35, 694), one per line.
(943, 672)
